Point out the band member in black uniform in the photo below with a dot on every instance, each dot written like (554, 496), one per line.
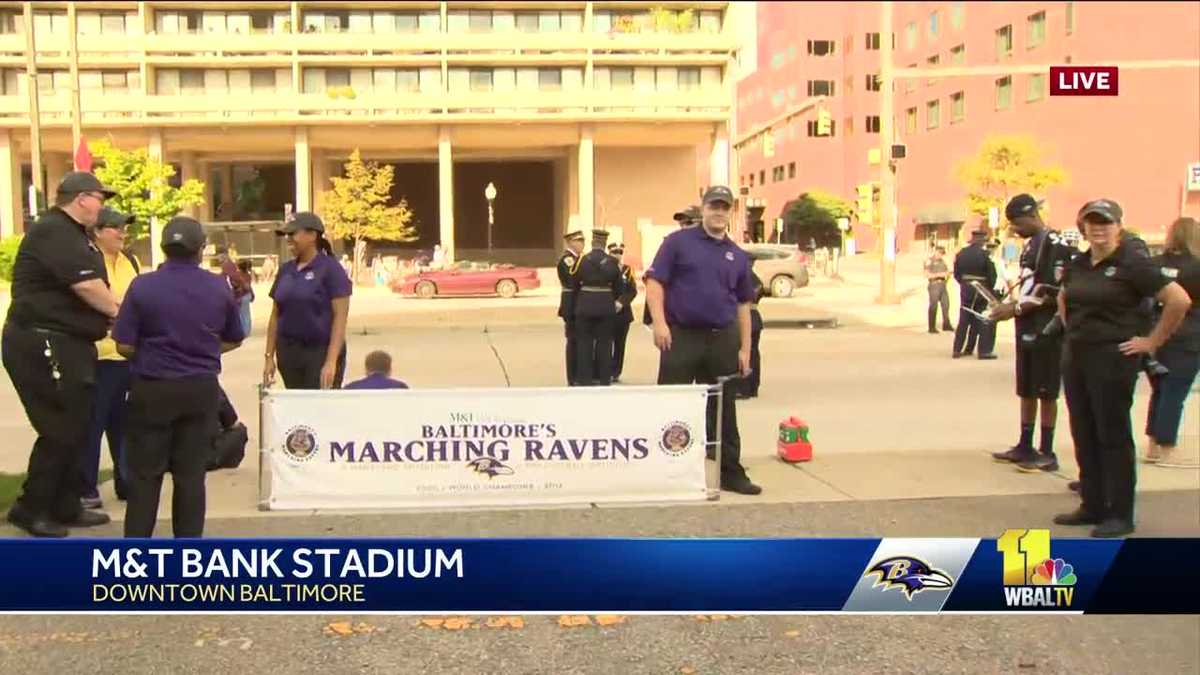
(624, 311)
(566, 299)
(1038, 358)
(1101, 292)
(973, 264)
(597, 279)
(61, 305)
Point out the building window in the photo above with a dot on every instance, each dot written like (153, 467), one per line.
(933, 114)
(262, 80)
(688, 79)
(621, 78)
(958, 107)
(480, 79)
(791, 170)
(871, 125)
(910, 83)
(762, 177)
(910, 36)
(932, 62)
(1004, 41)
(821, 87)
(549, 79)
(479, 22)
(1035, 27)
(872, 41)
(873, 82)
(8, 22)
(779, 173)
(935, 21)
(812, 129)
(821, 47)
(1070, 18)
(958, 12)
(1004, 93)
(751, 181)
(1037, 87)
(958, 55)
(527, 22)
(910, 121)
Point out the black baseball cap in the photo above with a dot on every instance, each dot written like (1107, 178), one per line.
(690, 213)
(183, 233)
(718, 193)
(1105, 208)
(1021, 205)
(83, 181)
(305, 220)
(110, 217)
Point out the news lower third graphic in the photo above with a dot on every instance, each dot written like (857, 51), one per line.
(1021, 571)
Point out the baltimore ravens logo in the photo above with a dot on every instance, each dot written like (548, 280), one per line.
(490, 466)
(911, 575)
(300, 444)
(676, 439)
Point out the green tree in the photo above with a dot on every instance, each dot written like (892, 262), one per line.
(357, 208)
(814, 215)
(1006, 166)
(8, 256)
(142, 185)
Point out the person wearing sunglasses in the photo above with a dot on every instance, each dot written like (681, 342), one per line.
(60, 306)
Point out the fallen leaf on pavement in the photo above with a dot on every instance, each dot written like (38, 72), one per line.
(505, 622)
(687, 670)
(610, 619)
(432, 623)
(569, 621)
(701, 617)
(339, 628)
(792, 633)
(457, 623)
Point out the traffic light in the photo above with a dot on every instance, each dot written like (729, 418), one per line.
(824, 122)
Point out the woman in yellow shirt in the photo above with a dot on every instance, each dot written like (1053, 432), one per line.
(112, 370)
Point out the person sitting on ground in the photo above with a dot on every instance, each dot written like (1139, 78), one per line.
(379, 374)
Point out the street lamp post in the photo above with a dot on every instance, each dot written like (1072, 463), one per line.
(489, 193)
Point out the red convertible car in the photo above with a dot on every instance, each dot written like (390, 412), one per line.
(469, 278)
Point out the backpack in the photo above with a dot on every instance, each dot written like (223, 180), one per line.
(229, 448)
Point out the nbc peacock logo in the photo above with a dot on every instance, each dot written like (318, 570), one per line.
(1033, 579)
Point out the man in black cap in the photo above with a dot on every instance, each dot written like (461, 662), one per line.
(1043, 259)
(597, 280)
(699, 290)
(566, 299)
(175, 323)
(624, 312)
(61, 305)
(973, 264)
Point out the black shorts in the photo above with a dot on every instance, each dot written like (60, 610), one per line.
(1039, 370)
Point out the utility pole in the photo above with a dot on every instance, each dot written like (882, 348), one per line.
(76, 115)
(887, 178)
(35, 116)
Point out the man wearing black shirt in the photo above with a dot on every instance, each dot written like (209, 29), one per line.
(61, 305)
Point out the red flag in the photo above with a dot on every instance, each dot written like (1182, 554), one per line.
(83, 156)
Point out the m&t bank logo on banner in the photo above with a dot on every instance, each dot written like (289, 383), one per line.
(1032, 578)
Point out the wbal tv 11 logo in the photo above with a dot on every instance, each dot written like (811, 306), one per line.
(1031, 577)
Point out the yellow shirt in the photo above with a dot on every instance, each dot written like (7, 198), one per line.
(120, 275)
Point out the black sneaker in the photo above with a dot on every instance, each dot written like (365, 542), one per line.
(948, 328)
(741, 485)
(88, 519)
(38, 526)
(1016, 454)
(988, 357)
(1076, 517)
(1038, 463)
(933, 331)
(956, 355)
(1113, 527)
(1073, 486)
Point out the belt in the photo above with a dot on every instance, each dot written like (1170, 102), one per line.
(597, 289)
(968, 277)
(568, 290)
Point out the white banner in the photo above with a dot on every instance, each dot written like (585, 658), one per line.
(484, 447)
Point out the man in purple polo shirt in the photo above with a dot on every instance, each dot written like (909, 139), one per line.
(699, 290)
(379, 374)
(173, 326)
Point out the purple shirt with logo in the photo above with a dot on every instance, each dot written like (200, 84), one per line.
(376, 381)
(304, 299)
(176, 318)
(705, 278)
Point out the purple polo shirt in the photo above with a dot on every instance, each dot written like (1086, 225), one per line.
(176, 317)
(705, 278)
(376, 381)
(304, 299)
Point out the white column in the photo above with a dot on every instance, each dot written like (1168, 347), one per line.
(718, 157)
(156, 154)
(188, 170)
(303, 172)
(446, 193)
(10, 186)
(320, 179)
(587, 179)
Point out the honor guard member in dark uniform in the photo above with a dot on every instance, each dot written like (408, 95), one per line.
(699, 289)
(597, 279)
(61, 305)
(973, 264)
(175, 323)
(624, 311)
(1039, 377)
(306, 336)
(1101, 292)
(566, 298)
(936, 273)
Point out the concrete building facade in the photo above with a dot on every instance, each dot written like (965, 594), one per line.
(1136, 148)
(581, 114)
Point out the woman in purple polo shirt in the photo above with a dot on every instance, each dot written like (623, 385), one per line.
(306, 336)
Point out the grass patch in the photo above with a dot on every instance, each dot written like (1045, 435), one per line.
(10, 486)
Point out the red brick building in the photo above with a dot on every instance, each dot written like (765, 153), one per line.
(1135, 148)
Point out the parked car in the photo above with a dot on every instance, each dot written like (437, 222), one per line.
(783, 268)
(469, 278)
